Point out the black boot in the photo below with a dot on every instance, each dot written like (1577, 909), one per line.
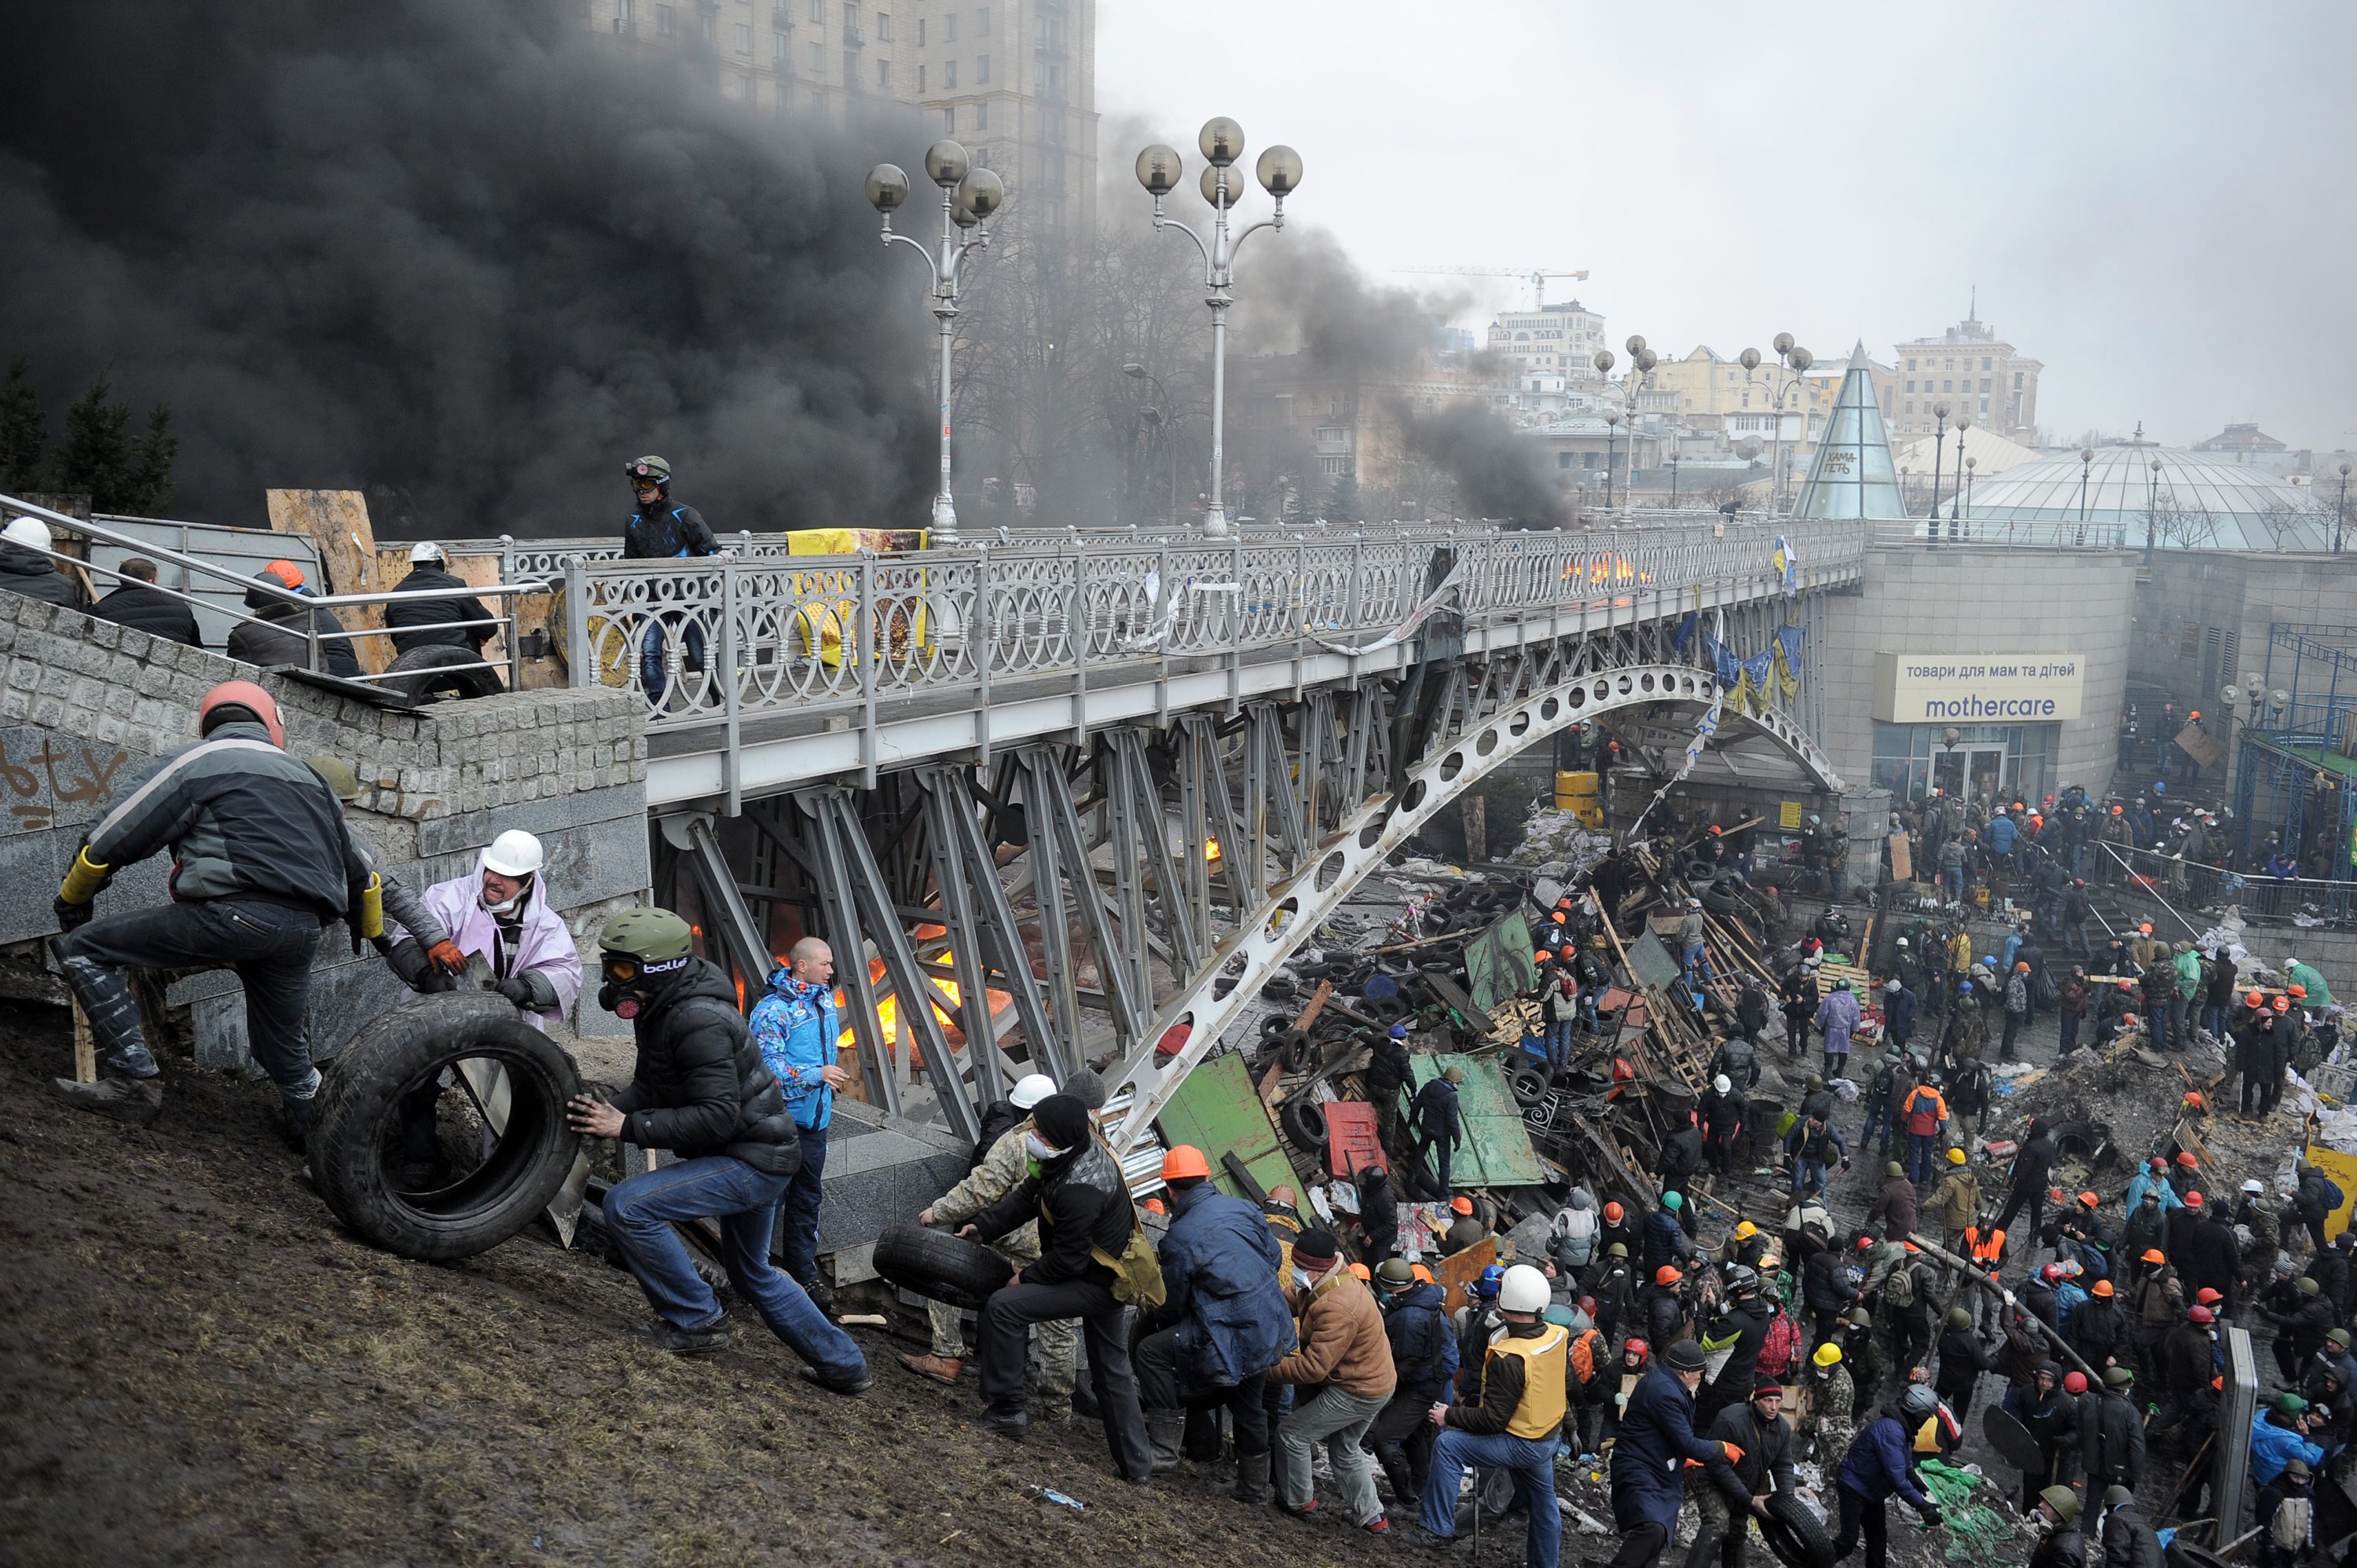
(1252, 1478)
(113, 1016)
(1165, 1430)
(135, 1100)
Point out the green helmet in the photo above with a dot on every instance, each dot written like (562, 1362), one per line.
(1394, 1273)
(1617, 1250)
(1816, 1080)
(1894, 1169)
(648, 468)
(342, 782)
(2308, 1285)
(1959, 1317)
(2063, 1501)
(1858, 1318)
(2117, 1377)
(1454, 1075)
(651, 936)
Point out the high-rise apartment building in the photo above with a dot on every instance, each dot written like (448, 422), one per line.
(1013, 80)
(1555, 339)
(1975, 372)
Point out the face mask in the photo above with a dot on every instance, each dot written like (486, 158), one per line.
(1301, 1279)
(510, 906)
(1037, 1150)
(619, 1002)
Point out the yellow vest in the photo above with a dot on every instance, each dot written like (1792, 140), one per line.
(1546, 1356)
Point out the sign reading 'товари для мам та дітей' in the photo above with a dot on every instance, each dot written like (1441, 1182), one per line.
(1976, 688)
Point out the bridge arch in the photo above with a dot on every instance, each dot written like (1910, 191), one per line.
(1370, 833)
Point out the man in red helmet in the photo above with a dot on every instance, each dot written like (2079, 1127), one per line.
(261, 861)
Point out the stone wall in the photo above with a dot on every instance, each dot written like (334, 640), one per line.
(85, 704)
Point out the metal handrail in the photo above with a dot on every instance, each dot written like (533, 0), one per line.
(313, 636)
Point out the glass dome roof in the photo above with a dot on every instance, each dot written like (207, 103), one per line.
(2193, 503)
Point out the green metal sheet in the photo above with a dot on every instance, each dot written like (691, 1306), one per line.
(1497, 1150)
(1218, 1110)
(1497, 963)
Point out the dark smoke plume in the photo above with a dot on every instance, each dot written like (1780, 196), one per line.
(462, 251)
(1304, 294)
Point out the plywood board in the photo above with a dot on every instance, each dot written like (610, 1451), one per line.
(1219, 1110)
(1497, 1150)
(1902, 860)
(1499, 963)
(1457, 1271)
(2200, 746)
(338, 521)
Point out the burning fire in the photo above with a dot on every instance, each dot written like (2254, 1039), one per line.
(1212, 851)
(888, 1008)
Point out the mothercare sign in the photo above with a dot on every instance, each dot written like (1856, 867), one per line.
(1966, 688)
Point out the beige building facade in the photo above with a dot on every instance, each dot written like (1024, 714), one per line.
(1553, 340)
(1013, 80)
(1975, 374)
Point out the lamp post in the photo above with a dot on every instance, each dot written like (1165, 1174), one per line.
(1673, 481)
(969, 196)
(1956, 502)
(1796, 362)
(2341, 509)
(2086, 465)
(1642, 361)
(1222, 141)
(2246, 702)
(1972, 466)
(1939, 446)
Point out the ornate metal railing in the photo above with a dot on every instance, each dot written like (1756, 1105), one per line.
(798, 632)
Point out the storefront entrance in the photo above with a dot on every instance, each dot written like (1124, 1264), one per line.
(1974, 772)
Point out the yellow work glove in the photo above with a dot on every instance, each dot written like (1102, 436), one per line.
(370, 914)
(82, 879)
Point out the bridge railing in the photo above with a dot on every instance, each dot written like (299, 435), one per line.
(721, 637)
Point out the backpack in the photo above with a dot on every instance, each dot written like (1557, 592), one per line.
(1575, 1232)
(1778, 1346)
(2293, 1523)
(2333, 1196)
(1582, 1355)
(1898, 1289)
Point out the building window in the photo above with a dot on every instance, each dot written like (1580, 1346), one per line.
(818, 10)
(1985, 363)
(1332, 467)
(949, 76)
(781, 51)
(851, 70)
(1983, 410)
(883, 76)
(981, 116)
(818, 63)
(883, 26)
(621, 13)
(744, 38)
(921, 32)
(948, 120)
(708, 24)
(850, 19)
(2017, 380)
(981, 70)
(948, 29)
(1911, 405)
(1910, 386)
(981, 22)
(1985, 381)
(981, 154)
(662, 21)
(921, 80)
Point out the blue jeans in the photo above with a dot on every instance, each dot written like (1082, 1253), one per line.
(1922, 1156)
(1531, 1465)
(2158, 1018)
(1952, 878)
(2070, 1022)
(652, 675)
(1694, 962)
(639, 1211)
(798, 1246)
(1587, 1011)
(2214, 1021)
(1807, 1171)
(1878, 1117)
(1559, 1044)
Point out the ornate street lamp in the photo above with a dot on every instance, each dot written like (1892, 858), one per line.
(1642, 361)
(1222, 142)
(1939, 447)
(1796, 362)
(2341, 509)
(969, 196)
(1956, 502)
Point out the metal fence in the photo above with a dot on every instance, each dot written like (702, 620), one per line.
(2199, 890)
(719, 637)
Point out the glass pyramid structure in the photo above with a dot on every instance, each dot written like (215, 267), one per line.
(1853, 475)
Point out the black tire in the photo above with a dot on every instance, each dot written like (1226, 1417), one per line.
(357, 1114)
(941, 1266)
(1304, 1127)
(1293, 1046)
(1795, 1534)
(1280, 985)
(424, 673)
(1273, 1025)
(1529, 1082)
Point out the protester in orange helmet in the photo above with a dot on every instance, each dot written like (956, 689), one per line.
(285, 626)
(262, 862)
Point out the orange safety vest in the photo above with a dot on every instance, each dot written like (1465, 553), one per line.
(1983, 1247)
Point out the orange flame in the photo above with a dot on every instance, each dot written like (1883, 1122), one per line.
(1212, 851)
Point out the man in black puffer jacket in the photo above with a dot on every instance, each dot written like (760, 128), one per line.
(137, 602)
(701, 1089)
(1083, 1208)
(436, 623)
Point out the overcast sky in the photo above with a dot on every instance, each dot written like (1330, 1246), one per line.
(2153, 199)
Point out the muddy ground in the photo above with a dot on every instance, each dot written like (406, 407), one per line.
(197, 1367)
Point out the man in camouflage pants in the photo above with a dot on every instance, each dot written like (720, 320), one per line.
(1832, 1400)
(1053, 1343)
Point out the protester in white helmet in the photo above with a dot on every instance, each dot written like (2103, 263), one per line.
(436, 623)
(503, 915)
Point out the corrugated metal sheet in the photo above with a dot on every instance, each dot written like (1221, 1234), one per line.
(1218, 1110)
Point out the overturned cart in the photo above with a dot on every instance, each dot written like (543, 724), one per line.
(439, 1130)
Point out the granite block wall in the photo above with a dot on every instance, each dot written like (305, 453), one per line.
(85, 704)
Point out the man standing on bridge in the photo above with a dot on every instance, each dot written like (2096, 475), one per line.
(658, 531)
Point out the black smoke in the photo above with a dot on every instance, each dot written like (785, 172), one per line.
(464, 254)
(1500, 474)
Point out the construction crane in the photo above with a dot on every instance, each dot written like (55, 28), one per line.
(1535, 277)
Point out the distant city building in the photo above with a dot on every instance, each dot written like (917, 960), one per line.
(1975, 372)
(2241, 442)
(1013, 80)
(1559, 339)
(1458, 341)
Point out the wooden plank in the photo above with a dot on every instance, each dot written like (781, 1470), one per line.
(1317, 1005)
(1457, 1271)
(1218, 1110)
(1902, 860)
(338, 521)
(85, 1048)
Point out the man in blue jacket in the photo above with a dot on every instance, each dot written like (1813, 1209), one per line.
(1424, 1358)
(1222, 1322)
(796, 1027)
(1649, 1458)
(1873, 1468)
(658, 531)
(2280, 1434)
(1433, 1114)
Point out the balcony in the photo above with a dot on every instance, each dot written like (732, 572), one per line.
(855, 38)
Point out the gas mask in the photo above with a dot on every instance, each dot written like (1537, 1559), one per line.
(627, 988)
